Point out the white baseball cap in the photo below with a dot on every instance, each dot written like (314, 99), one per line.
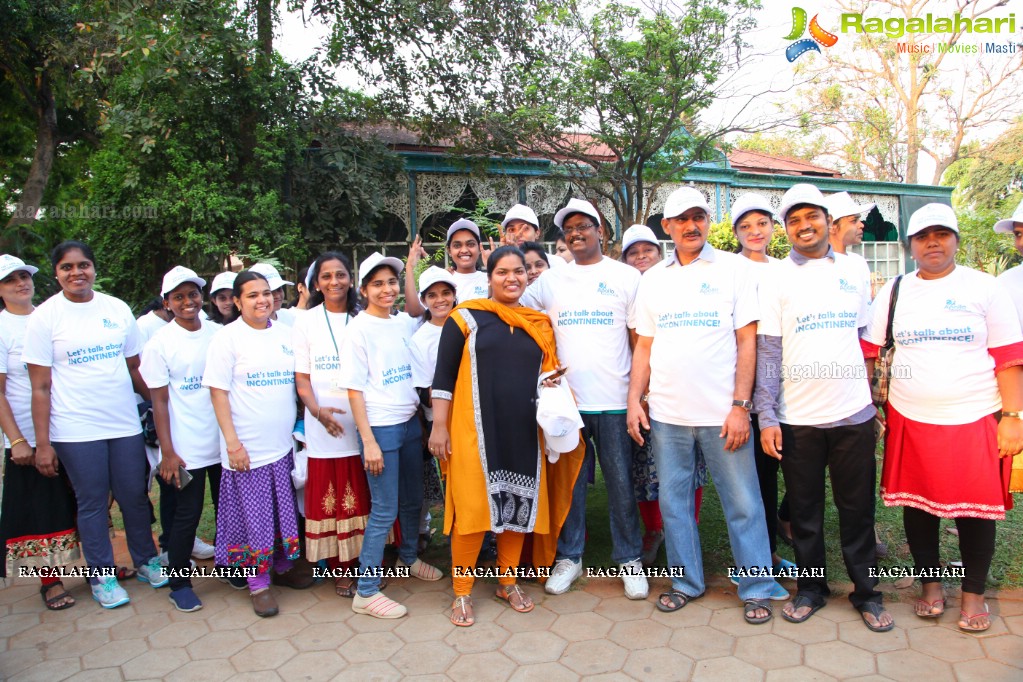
(750, 201)
(374, 261)
(801, 193)
(9, 264)
(932, 215)
(576, 206)
(638, 233)
(1005, 225)
(520, 212)
(683, 199)
(464, 224)
(177, 276)
(432, 275)
(840, 205)
(273, 277)
(309, 277)
(224, 280)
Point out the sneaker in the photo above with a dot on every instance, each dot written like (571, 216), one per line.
(420, 569)
(202, 550)
(184, 599)
(636, 586)
(152, 573)
(378, 606)
(108, 593)
(652, 541)
(565, 573)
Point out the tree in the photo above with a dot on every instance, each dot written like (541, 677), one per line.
(991, 177)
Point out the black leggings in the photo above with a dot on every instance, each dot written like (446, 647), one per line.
(976, 546)
(767, 475)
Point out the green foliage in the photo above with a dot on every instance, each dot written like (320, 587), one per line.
(991, 178)
(980, 247)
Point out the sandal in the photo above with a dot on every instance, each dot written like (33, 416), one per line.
(125, 573)
(676, 600)
(876, 610)
(968, 619)
(344, 587)
(461, 612)
(799, 602)
(516, 598)
(750, 608)
(925, 609)
(51, 603)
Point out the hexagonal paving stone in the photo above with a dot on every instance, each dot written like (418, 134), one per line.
(692, 615)
(1014, 624)
(283, 626)
(702, 642)
(423, 658)
(945, 644)
(912, 666)
(853, 632)
(19, 622)
(49, 671)
(621, 609)
(141, 625)
(235, 617)
(906, 618)
(985, 671)
(377, 671)
(576, 627)
(361, 623)
(1007, 649)
(102, 619)
(255, 676)
(113, 654)
(839, 659)
(295, 601)
(640, 634)
(17, 660)
(40, 636)
(478, 638)
(156, 663)
(659, 663)
(178, 635)
(813, 631)
(491, 665)
(313, 666)
(534, 647)
(202, 671)
(322, 637)
(543, 672)
(336, 611)
(101, 675)
(716, 669)
(571, 602)
(768, 651)
(731, 620)
(78, 644)
(219, 645)
(802, 674)
(429, 602)
(594, 657)
(539, 619)
(263, 656)
(432, 627)
(838, 611)
(368, 647)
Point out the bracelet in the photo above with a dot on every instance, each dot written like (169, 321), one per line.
(16, 441)
(1010, 415)
(237, 449)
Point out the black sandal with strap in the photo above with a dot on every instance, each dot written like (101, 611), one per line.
(750, 607)
(676, 600)
(51, 603)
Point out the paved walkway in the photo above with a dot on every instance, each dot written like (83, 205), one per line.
(591, 631)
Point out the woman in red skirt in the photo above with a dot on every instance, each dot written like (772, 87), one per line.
(957, 381)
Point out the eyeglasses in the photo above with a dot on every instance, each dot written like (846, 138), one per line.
(578, 228)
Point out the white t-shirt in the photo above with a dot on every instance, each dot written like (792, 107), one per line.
(316, 355)
(376, 359)
(149, 324)
(19, 389)
(1012, 280)
(176, 358)
(692, 312)
(286, 316)
(817, 309)
(424, 358)
(591, 309)
(85, 345)
(470, 285)
(257, 368)
(943, 329)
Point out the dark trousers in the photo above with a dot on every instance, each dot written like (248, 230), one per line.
(767, 477)
(976, 546)
(180, 511)
(848, 451)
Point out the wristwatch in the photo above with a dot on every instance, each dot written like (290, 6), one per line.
(1012, 415)
(744, 404)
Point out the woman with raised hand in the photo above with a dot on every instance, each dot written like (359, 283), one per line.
(376, 368)
(37, 520)
(250, 371)
(81, 348)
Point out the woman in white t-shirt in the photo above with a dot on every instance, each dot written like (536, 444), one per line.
(81, 348)
(37, 521)
(463, 245)
(953, 411)
(250, 371)
(376, 368)
(173, 365)
(337, 499)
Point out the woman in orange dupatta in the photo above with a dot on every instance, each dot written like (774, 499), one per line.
(490, 357)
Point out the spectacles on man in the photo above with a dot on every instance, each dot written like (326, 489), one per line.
(578, 228)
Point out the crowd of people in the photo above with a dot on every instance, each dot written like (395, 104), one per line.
(330, 429)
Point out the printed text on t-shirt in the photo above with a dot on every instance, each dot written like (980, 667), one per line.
(93, 353)
(700, 318)
(397, 374)
(828, 319)
(911, 336)
(269, 378)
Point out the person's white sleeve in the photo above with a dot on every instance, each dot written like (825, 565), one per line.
(769, 302)
(746, 308)
(134, 341)
(1003, 326)
(877, 320)
(37, 349)
(630, 298)
(537, 294)
(422, 366)
(300, 343)
(646, 325)
(220, 360)
(354, 372)
(864, 313)
(153, 368)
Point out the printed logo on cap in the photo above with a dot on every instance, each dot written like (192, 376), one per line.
(818, 36)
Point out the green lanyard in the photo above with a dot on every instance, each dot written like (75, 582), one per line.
(331, 330)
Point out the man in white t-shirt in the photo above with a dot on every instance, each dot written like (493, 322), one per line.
(696, 314)
(1013, 277)
(846, 224)
(814, 406)
(590, 303)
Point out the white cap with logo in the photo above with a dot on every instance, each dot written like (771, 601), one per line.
(932, 215)
(683, 199)
(177, 276)
(576, 206)
(801, 193)
(432, 275)
(463, 224)
(638, 233)
(224, 280)
(273, 277)
(374, 261)
(751, 201)
(9, 264)
(841, 204)
(520, 212)
(1007, 224)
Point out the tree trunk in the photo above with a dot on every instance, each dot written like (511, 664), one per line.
(32, 191)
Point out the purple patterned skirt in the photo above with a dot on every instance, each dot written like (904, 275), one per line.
(256, 521)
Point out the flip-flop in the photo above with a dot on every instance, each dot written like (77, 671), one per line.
(346, 591)
(507, 592)
(459, 617)
(963, 616)
(874, 609)
(930, 608)
(750, 607)
(799, 602)
(51, 603)
(676, 600)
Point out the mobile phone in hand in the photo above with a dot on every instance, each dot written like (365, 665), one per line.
(184, 478)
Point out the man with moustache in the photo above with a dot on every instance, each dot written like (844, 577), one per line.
(846, 224)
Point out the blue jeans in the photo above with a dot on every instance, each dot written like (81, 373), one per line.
(396, 493)
(735, 479)
(610, 436)
(97, 469)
